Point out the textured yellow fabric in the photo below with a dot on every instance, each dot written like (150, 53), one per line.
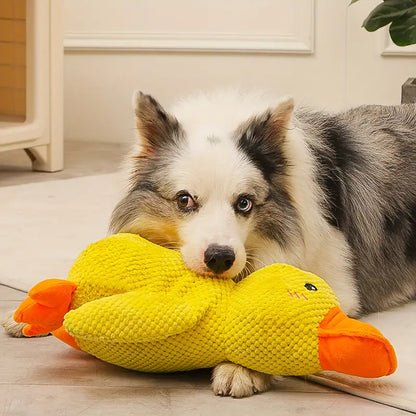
(138, 306)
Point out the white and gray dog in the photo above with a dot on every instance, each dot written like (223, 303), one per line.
(238, 181)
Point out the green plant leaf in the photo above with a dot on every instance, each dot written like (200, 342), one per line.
(403, 30)
(387, 12)
(353, 1)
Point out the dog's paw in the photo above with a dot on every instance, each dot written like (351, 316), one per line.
(12, 328)
(230, 379)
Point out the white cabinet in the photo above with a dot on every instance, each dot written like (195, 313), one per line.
(38, 127)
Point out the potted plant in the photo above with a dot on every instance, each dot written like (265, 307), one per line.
(401, 16)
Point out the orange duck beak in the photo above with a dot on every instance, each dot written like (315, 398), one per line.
(353, 347)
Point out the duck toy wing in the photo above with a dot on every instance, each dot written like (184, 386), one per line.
(135, 304)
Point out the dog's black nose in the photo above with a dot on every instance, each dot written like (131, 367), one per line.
(219, 258)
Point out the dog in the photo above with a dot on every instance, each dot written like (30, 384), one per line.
(237, 181)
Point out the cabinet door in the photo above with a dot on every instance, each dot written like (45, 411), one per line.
(31, 122)
(37, 124)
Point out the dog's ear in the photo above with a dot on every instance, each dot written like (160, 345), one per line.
(270, 126)
(157, 129)
(281, 114)
(262, 138)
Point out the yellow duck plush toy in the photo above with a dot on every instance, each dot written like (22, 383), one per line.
(135, 304)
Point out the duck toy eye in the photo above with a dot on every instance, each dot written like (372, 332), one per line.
(311, 287)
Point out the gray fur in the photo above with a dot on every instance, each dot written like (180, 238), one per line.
(366, 166)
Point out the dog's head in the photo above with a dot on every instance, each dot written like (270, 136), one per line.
(209, 182)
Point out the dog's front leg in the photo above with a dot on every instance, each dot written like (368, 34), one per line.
(229, 379)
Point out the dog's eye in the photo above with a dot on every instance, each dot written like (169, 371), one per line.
(244, 204)
(185, 202)
(311, 287)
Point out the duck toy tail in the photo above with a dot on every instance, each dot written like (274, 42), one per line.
(45, 308)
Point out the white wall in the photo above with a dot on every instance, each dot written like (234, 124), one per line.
(314, 50)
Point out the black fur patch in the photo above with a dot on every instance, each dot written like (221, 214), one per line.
(337, 161)
(262, 145)
(402, 224)
(144, 185)
(411, 240)
(392, 223)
